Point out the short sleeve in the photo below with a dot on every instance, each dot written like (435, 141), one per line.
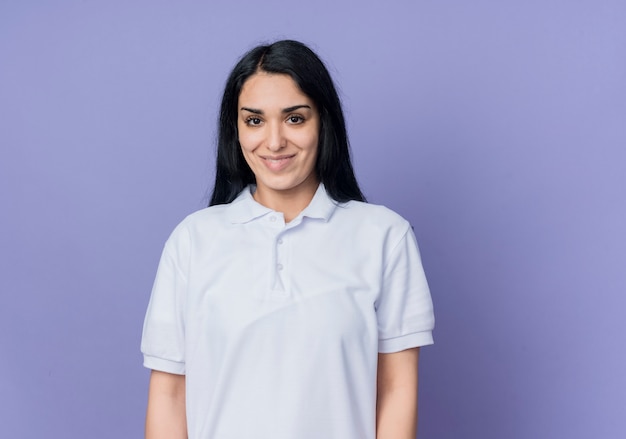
(163, 339)
(404, 310)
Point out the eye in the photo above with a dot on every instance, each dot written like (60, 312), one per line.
(253, 121)
(295, 119)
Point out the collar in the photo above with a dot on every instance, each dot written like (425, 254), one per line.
(245, 208)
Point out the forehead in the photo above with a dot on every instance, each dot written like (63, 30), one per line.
(266, 90)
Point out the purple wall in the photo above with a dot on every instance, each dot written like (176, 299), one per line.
(498, 130)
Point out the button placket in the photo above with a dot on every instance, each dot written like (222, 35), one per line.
(279, 254)
(276, 223)
(279, 249)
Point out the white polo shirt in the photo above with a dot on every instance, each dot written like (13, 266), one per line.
(277, 326)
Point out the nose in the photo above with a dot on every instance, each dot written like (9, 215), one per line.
(276, 138)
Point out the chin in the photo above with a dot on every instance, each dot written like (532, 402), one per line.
(285, 185)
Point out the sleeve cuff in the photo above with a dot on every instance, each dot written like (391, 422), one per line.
(162, 365)
(397, 344)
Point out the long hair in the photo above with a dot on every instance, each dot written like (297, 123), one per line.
(333, 166)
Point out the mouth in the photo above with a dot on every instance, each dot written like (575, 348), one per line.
(277, 163)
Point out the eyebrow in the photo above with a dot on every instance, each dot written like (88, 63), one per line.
(285, 110)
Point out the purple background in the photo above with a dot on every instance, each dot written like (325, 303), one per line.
(497, 128)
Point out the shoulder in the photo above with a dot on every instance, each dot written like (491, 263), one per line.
(212, 218)
(372, 214)
(371, 222)
(209, 214)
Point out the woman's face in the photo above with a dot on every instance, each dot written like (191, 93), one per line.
(278, 131)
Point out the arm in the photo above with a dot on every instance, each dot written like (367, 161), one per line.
(396, 403)
(166, 418)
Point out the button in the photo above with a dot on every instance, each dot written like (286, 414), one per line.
(272, 218)
(279, 267)
(280, 240)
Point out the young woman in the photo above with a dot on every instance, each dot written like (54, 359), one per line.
(289, 308)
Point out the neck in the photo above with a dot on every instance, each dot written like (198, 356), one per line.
(289, 202)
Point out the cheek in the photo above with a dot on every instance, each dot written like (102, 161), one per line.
(247, 141)
(309, 141)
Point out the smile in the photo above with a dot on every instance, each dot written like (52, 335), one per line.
(277, 163)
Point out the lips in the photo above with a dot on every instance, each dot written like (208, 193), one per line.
(277, 163)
